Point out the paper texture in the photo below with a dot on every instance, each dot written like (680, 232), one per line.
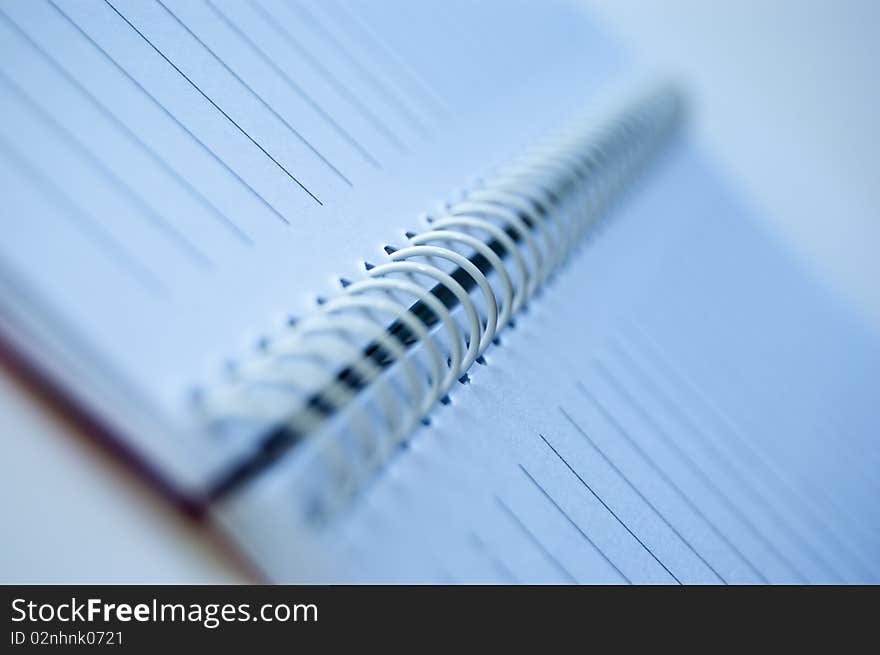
(680, 405)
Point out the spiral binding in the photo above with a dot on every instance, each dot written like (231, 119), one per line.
(486, 254)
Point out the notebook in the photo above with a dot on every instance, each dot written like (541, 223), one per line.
(425, 292)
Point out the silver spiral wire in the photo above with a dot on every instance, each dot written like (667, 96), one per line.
(505, 302)
(490, 323)
(503, 238)
(518, 297)
(473, 318)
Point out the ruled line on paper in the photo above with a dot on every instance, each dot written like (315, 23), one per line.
(732, 434)
(374, 43)
(85, 222)
(642, 496)
(858, 463)
(296, 88)
(503, 572)
(287, 37)
(533, 539)
(726, 463)
(216, 106)
(400, 106)
(855, 463)
(151, 215)
(217, 214)
(647, 459)
(653, 351)
(205, 148)
(607, 507)
(256, 96)
(574, 524)
(695, 468)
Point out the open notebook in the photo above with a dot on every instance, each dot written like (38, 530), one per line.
(419, 292)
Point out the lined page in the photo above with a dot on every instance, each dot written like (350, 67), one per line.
(682, 405)
(185, 176)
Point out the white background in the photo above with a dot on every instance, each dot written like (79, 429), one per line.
(787, 98)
